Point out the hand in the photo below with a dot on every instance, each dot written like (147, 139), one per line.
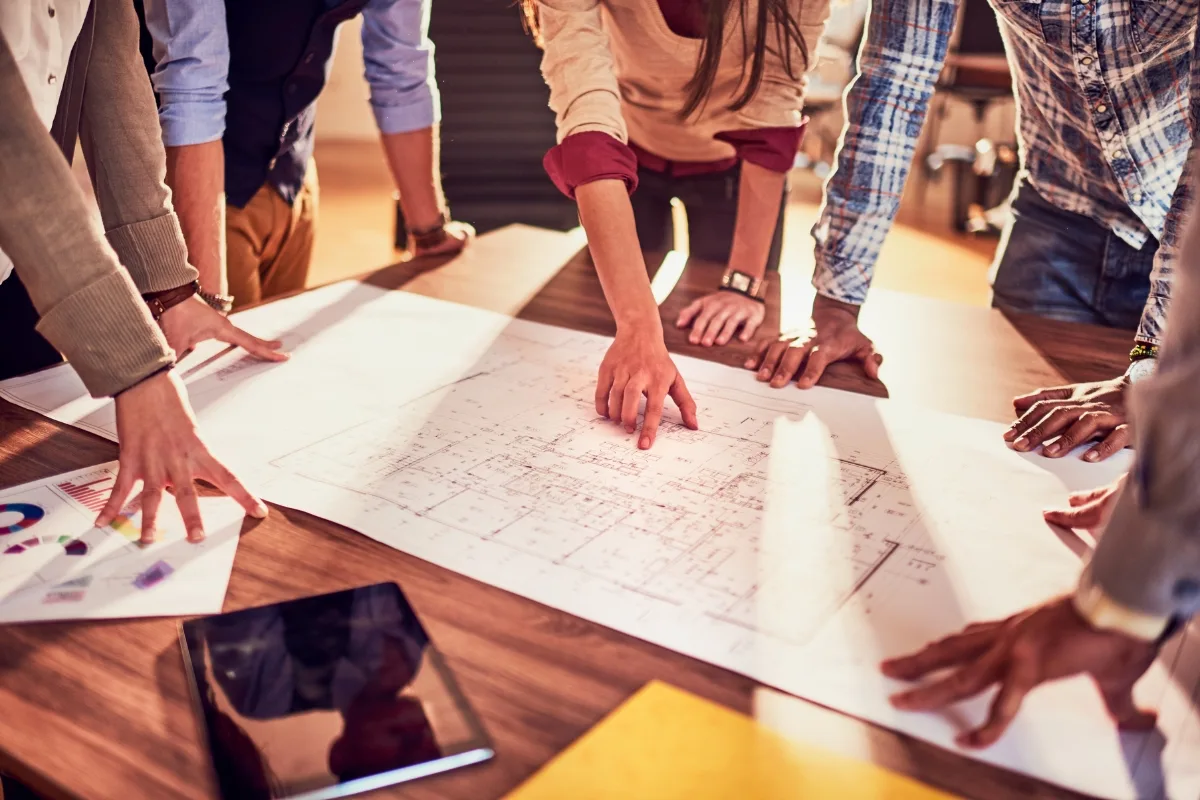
(1075, 414)
(1089, 510)
(637, 364)
(194, 321)
(458, 236)
(716, 317)
(160, 448)
(1039, 645)
(834, 336)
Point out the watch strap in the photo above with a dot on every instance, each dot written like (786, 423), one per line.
(744, 284)
(429, 237)
(160, 303)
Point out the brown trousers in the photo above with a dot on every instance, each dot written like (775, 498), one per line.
(269, 244)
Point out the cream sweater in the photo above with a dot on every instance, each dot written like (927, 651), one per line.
(614, 66)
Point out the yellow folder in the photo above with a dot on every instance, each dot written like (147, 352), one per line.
(666, 744)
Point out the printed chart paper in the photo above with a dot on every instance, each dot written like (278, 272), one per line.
(55, 565)
(798, 537)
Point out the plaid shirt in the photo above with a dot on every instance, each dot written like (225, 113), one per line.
(1102, 88)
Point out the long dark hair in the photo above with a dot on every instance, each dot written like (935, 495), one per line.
(771, 14)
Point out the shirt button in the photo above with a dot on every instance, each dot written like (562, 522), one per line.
(1117, 154)
(1084, 2)
(50, 10)
(1100, 109)
(53, 79)
(1086, 60)
(308, 58)
(1136, 197)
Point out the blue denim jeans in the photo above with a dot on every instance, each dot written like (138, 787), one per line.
(1065, 266)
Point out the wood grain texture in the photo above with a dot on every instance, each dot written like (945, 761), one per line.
(102, 710)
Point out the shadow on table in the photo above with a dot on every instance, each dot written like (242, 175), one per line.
(1081, 353)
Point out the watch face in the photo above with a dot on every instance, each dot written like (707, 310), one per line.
(1140, 369)
(740, 282)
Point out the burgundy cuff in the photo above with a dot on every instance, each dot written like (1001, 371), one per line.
(770, 148)
(590, 156)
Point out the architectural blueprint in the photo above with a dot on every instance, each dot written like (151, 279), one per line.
(797, 537)
(56, 565)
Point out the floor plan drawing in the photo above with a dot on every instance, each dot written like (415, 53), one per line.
(797, 537)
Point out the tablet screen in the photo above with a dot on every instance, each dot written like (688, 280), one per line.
(327, 696)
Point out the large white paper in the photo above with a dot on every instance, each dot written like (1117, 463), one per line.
(798, 537)
(56, 565)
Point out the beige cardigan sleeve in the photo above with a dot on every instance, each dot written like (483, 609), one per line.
(125, 156)
(578, 67)
(90, 308)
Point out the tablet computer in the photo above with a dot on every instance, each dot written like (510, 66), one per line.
(326, 696)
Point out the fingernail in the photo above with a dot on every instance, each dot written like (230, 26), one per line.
(764, 373)
(777, 383)
(1091, 455)
(1021, 444)
(644, 443)
(261, 510)
(1009, 434)
(1051, 449)
(196, 535)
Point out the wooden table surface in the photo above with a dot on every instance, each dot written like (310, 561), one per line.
(101, 710)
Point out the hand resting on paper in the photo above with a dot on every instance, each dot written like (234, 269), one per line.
(1042, 644)
(194, 321)
(1062, 418)
(161, 448)
(1089, 510)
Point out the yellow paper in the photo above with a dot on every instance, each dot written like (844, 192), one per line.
(667, 744)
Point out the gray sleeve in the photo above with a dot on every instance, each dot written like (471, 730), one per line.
(1149, 556)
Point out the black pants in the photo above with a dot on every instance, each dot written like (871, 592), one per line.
(711, 203)
(22, 348)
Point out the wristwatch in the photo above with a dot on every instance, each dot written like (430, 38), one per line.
(219, 302)
(737, 281)
(429, 237)
(1143, 358)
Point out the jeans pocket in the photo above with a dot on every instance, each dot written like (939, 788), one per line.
(1025, 15)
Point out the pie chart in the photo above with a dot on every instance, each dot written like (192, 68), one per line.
(30, 515)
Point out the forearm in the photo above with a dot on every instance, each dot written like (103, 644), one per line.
(196, 175)
(759, 196)
(607, 217)
(413, 158)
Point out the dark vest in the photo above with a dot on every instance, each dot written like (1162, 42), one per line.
(279, 56)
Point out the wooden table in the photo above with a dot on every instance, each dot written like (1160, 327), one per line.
(101, 710)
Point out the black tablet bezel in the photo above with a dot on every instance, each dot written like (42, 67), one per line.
(476, 749)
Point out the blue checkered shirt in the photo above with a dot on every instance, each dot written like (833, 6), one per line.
(1102, 89)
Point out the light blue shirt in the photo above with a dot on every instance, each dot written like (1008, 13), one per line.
(191, 46)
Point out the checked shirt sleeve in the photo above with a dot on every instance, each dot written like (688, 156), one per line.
(885, 108)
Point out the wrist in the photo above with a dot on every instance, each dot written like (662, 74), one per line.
(641, 325)
(1103, 613)
(821, 303)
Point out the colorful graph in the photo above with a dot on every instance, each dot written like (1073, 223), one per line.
(73, 546)
(125, 526)
(93, 494)
(30, 515)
